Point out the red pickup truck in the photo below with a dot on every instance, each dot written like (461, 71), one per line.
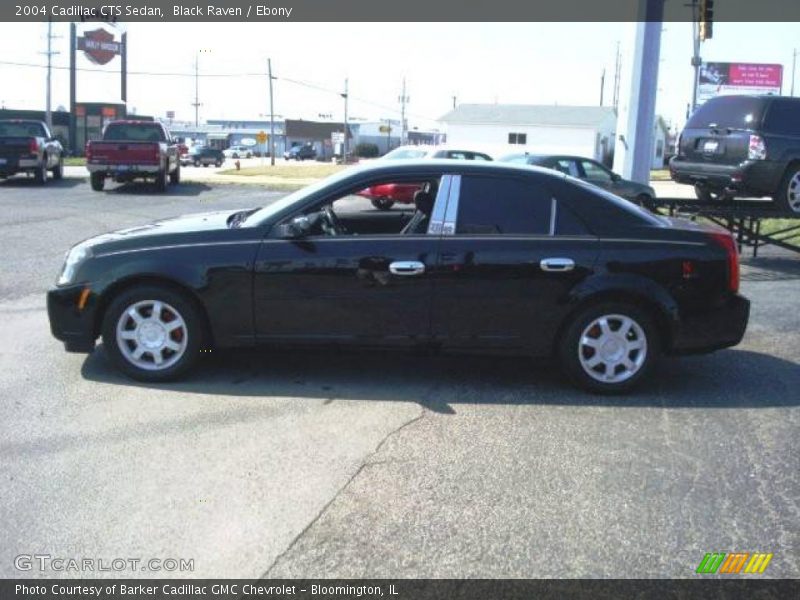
(133, 150)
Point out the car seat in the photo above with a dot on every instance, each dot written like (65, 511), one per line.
(419, 222)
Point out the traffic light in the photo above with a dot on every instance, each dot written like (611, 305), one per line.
(706, 19)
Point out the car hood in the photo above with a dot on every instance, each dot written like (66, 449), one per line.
(185, 224)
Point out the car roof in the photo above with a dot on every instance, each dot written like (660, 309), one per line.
(416, 165)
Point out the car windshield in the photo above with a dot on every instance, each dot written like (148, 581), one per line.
(21, 130)
(737, 112)
(295, 197)
(406, 153)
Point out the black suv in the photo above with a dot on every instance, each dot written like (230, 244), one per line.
(742, 146)
(300, 153)
(203, 156)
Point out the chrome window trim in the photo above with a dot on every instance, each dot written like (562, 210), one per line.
(449, 225)
(440, 206)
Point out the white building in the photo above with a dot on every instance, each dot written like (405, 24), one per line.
(506, 128)
(661, 133)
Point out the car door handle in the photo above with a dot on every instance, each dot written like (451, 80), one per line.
(407, 267)
(557, 264)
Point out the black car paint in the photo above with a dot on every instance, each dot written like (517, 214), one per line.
(478, 293)
(14, 150)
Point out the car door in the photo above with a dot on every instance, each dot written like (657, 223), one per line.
(509, 256)
(371, 288)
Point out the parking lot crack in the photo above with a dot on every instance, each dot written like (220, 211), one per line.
(367, 462)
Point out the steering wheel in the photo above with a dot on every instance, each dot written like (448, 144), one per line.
(336, 227)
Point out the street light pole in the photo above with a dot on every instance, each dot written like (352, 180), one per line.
(271, 116)
(344, 142)
(794, 64)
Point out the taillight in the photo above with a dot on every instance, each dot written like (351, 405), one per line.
(33, 146)
(726, 241)
(88, 151)
(756, 150)
(157, 153)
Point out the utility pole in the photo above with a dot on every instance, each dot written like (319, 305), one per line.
(454, 102)
(403, 100)
(271, 116)
(696, 60)
(794, 64)
(344, 143)
(197, 104)
(50, 52)
(617, 74)
(602, 86)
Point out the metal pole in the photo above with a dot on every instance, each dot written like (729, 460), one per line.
(794, 64)
(403, 114)
(602, 86)
(124, 71)
(344, 144)
(197, 90)
(696, 60)
(49, 114)
(73, 120)
(271, 117)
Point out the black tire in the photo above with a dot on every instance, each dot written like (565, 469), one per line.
(187, 310)
(572, 353)
(646, 202)
(161, 180)
(218, 164)
(197, 163)
(40, 176)
(382, 203)
(58, 170)
(234, 155)
(98, 181)
(787, 199)
(175, 176)
(705, 194)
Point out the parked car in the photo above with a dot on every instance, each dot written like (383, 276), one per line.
(300, 153)
(383, 196)
(29, 147)
(495, 258)
(410, 152)
(238, 152)
(591, 171)
(132, 150)
(735, 146)
(204, 156)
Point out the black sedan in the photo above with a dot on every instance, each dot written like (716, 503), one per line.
(591, 171)
(494, 258)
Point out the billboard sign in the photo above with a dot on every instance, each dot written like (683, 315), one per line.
(723, 78)
(99, 46)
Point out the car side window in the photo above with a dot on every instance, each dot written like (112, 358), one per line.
(783, 117)
(595, 172)
(568, 167)
(493, 205)
(568, 223)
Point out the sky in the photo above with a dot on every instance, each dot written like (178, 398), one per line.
(514, 63)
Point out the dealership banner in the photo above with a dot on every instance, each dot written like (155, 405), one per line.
(725, 78)
(395, 589)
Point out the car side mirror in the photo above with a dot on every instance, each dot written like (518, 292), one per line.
(615, 177)
(294, 229)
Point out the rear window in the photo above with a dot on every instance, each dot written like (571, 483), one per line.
(406, 153)
(21, 130)
(133, 132)
(736, 112)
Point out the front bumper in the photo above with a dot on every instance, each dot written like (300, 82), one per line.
(70, 324)
(717, 327)
(751, 177)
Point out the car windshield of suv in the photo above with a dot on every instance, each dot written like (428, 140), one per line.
(736, 112)
(21, 130)
(133, 133)
(406, 153)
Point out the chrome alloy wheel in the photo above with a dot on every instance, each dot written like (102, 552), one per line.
(152, 335)
(612, 348)
(793, 193)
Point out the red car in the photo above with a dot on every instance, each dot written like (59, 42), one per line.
(384, 195)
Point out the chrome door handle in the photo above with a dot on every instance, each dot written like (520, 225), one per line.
(557, 264)
(407, 267)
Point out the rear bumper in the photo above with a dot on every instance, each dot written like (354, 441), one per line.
(718, 327)
(11, 165)
(751, 177)
(122, 169)
(68, 323)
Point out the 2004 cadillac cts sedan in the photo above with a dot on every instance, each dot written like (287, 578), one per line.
(493, 258)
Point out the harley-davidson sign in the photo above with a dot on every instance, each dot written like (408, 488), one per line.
(99, 46)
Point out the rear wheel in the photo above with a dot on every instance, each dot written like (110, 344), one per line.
(58, 170)
(98, 181)
(153, 333)
(705, 194)
(40, 176)
(609, 347)
(382, 203)
(788, 196)
(161, 180)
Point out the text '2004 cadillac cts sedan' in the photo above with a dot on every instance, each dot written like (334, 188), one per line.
(493, 258)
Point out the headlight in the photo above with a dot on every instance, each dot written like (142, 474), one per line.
(72, 260)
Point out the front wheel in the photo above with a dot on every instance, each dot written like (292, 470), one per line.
(40, 176)
(58, 170)
(153, 333)
(609, 348)
(788, 197)
(161, 180)
(175, 176)
(382, 203)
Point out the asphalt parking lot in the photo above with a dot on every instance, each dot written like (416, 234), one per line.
(290, 464)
